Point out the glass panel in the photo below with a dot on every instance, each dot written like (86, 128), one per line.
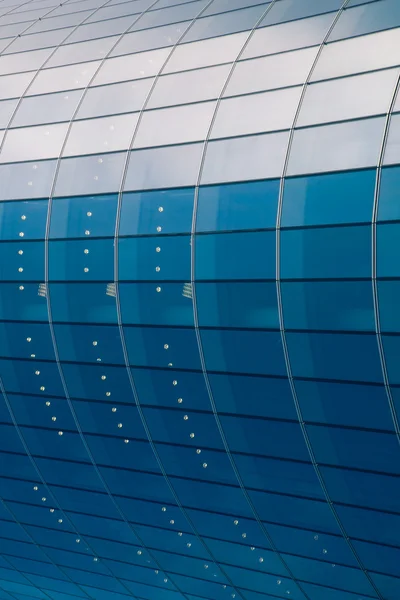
(389, 206)
(392, 150)
(225, 23)
(297, 34)
(89, 31)
(174, 125)
(49, 108)
(244, 205)
(63, 78)
(253, 157)
(106, 134)
(150, 304)
(24, 61)
(255, 113)
(149, 39)
(325, 253)
(82, 217)
(75, 53)
(364, 53)
(205, 53)
(288, 10)
(365, 19)
(164, 167)
(348, 98)
(90, 175)
(388, 251)
(269, 72)
(388, 296)
(144, 258)
(182, 12)
(223, 5)
(329, 198)
(61, 21)
(80, 302)
(113, 99)
(334, 147)
(46, 39)
(78, 260)
(192, 86)
(391, 347)
(33, 143)
(6, 110)
(134, 66)
(15, 85)
(112, 10)
(26, 180)
(89, 343)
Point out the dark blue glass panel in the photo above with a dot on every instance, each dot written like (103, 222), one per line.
(236, 256)
(254, 396)
(328, 199)
(368, 18)
(388, 585)
(22, 302)
(206, 496)
(65, 473)
(248, 205)
(379, 558)
(38, 411)
(152, 304)
(116, 453)
(43, 442)
(154, 258)
(89, 343)
(23, 340)
(22, 262)
(344, 404)
(329, 305)
(159, 347)
(335, 356)
(103, 418)
(252, 352)
(83, 216)
(328, 252)
(389, 206)
(80, 302)
(23, 220)
(166, 388)
(388, 251)
(228, 304)
(143, 212)
(389, 297)
(86, 381)
(391, 348)
(20, 376)
(81, 260)
(370, 525)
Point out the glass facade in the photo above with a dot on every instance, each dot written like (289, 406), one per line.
(199, 291)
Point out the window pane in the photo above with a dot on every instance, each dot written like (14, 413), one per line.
(348, 98)
(36, 41)
(288, 10)
(334, 147)
(26, 180)
(49, 108)
(149, 39)
(389, 292)
(114, 99)
(106, 134)
(392, 150)
(269, 72)
(228, 22)
(388, 251)
(63, 78)
(82, 51)
(366, 19)
(24, 61)
(6, 110)
(90, 174)
(173, 14)
(253, 157)
(139, 257)
(389, 207)
(173, 125)
(33, 143)
(134, 66)
(255, 113)
(14, 85)
(88, 31)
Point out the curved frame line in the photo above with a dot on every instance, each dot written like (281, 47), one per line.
(375, 292)
(282, 325)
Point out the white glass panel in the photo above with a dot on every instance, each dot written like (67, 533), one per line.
(101, 135)
(174, 166)
(83, 51)
(149, 39)
(26, 180)
(63, 78)
(238, 159)
(119, 10)
(24, 61)
(134, 66)
(392, 151)
(31, 143)
(59, 22)
(6, 110)
(175, 125)
(269, 72)
(35, 41)
(15, 85)
(206, 52)
(50, 108)
(288, 36)
(101, 29)
(90, 174)
(115, 98)
(348, 98)
(351, 145)
(364, 53)
(172, 14)
(191, 86)
(268, 111)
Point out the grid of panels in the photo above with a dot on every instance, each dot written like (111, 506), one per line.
(198, 356)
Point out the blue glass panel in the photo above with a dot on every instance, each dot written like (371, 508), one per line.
(389, 296)
(388, 252)
(81, 260)
(69, 474)
(364, 19)
(228, 304)
(344, 404)
(89, 343)
(335, 356)
(389, 205)
(159, 347)
(143, 212)
(98, 382)
(207, 496)
(80, 302)
(22, 261)
(23, 340)
(255, 396)
(152, 304)
(20, 376)
(327, 252)
(252, 352)
(38, 411)
(248, 205)
(388, 585)
(334, 305)
(83, 216)
(287, 10)
(154, 258)
(391, 348)
(103, 418)
(165, 388)
(23, 220)
(379, 558)
(22, 302)
(328, 198)
(371, 525)
(225, 23)
(236, 256)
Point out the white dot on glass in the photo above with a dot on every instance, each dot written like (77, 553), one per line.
(52, 510)
(160, 209)
(86, 270)
(60, 520)
(43, 499)
(23, 217)
(188, 544)
(324, 551)
(96, 177)
(180, 533)
(103, 377)
(126, 441)
(20, 251)
(278, 581)
(113, 409)
(100, 160)
(21, 287)
(206, 566)
(60, 433)
(165, 580)
(37, 372)
(78, 541)
(87, 232)
(166, 346)
(30, 182)
(139, 552)
(35, 487)
(205, 465)
(180, 400)
(94, 343)
(33, 355)
(158, 289)
(95, 559)
(244, 535)
(315, 537)
(54, 418)
(119, 425)
(21, 234)
(252, 548)
(159, 229)
(108, 393)
(261, 559)
(185, 418)
(47, 403)
(198, 451)
(158, 269)
(192, 435)
(28, 339)
(236, 522)
(42, 388)
(174, 382)
(86, 251)
(158, 249)
(89, 214)
(164, 509)
(20, 269)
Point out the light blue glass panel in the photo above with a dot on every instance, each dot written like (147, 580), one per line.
(326, 253)
(389, 198)
(248, 205)
(23, 220)
(225, 23)
(154, 258)
(329, 305)
(366, 18)
(235, 256)
(288, 10)
(329, 198)
(83, 216)
(143, 212)
(26, 180)
(227, 304)
(90, 174)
